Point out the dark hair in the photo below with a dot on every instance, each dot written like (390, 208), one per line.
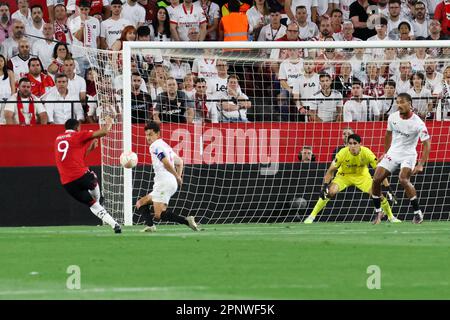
(336, 10)
(355, 137)
(406, 96)
(4, 4)
(198, 80)
(55, 49)
(60, 75)
(418, 74)
(152, 126)
(383, 21)
(300, 7)
(166, 23)
(143, 31)
(5, 68)
(234, 6)
(323, 75)
(356, 81)
(390, 82)
(136, 74)
(23, 80)
(36, 6)
(404, 23)
(85, 4)
(71, 124)
(35, 59)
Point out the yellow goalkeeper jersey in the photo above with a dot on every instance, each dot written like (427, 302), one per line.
(356, 165)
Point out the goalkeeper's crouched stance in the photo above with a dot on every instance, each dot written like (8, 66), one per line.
(351, 164)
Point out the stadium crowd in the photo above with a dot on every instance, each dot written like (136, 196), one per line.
(45, 75)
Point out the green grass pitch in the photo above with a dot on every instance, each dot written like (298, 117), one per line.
(245, 261)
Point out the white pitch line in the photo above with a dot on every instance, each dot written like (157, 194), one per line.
(102, 290)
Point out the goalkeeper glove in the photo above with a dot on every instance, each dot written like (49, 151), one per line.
(324, 191)
(390, 194)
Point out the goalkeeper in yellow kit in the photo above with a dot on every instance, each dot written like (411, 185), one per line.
(351, 164)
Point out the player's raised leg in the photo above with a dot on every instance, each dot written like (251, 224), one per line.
(405, 181)
(327, 192)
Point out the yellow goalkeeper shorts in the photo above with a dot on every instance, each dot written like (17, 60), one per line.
(362, 182)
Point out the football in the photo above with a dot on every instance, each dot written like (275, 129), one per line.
(128, 159)
(299, 203)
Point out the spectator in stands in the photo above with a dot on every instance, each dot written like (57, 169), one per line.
(187, 16)
(11, 45)
(218, 83)
(171, 8)
(60, 25)
(359, 61)
(387, 104)
(359, 17)
(86, 33)
(402, 79)
(35, 29)
(179, 69)
(336, 20)
(327, 103)
(128, 34)
(417, 59)
(111, 29)
(91, 108)
(342, 81)
(360, 107)
(329, 60)
(151, 8)
(23, 107)
(75, 83)
(440, 14)
(290, 7)
(432, 77)
(173, 105)
(100, 9)
(243, 8)
(133, 12)
(307, 29)
(141, 102)
(434, 31)
(212, 14)
(204, 66)
(374, 83)
(325, 29)
(61, 108)
(41, 83)
(395, 19)
(60, 53)
(258, 16)
(234, 26)
(421, 21)
(234, 103)
(383, 8)
(442, 91)
(19, 63)
(24, 12)
(345, 133)
(43, 48)
(157, 82)
(306, 155)
(422, 102)
(381, 29)
(305, 88)
(347, 33)
(53, 4)
(5, 22)
(289, 73)
(188, 86)
(7, 80)
(273, 31)
(204, 111)
(389, 64)
(160, 27)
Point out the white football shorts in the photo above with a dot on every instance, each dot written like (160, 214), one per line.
(163, 190)
(393, 162)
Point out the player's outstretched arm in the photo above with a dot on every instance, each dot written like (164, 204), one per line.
(104, 130)
(179, 165)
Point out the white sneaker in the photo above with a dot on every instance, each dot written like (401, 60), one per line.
(149, 229)
(395, 220)
(309, 220)
(192, 224)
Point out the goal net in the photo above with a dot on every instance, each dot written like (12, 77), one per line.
(258, 124)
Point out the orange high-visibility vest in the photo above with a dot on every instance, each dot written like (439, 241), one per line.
(235, 27)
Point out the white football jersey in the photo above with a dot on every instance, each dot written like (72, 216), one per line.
(290, 71)
(327, 110)
(204, 68)
(306, 87)
(406, 134)
(157, 149)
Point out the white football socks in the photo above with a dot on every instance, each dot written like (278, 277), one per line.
(101, 212)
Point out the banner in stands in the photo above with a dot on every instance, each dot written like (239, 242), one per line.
(219, 143)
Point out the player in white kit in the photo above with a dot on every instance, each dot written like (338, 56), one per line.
(168, 167)
(402, 135)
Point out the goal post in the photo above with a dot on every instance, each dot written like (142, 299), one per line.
(250, 171)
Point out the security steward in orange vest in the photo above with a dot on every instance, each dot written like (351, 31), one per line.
(234, 27)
